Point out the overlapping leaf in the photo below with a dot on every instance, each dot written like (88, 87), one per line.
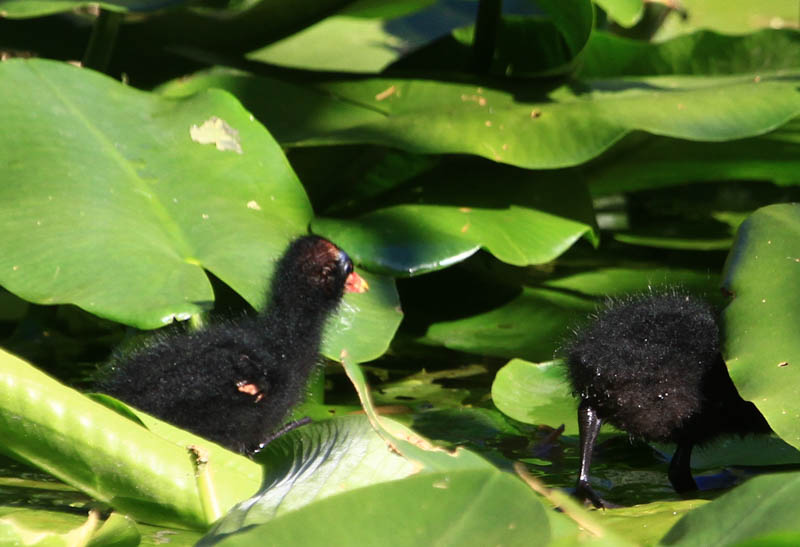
(313, 463)
(527, 125)
(528, 218)
(132, 206)
(762, 348)
(110, 457)
(465, 507)
(38, 8)
(759, 507)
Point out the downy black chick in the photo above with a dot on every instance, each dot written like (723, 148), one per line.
(650, 365)
(235, 382)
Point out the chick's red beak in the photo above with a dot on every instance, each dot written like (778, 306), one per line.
(355, 283)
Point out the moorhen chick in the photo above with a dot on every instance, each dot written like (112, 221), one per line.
(650, 364)
(235, 382)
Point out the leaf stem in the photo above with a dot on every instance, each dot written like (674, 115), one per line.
(205, 484)
(101, 43)
(483, 43)
(561, 501)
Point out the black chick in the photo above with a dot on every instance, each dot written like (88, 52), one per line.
(651, 366)
(235, 382)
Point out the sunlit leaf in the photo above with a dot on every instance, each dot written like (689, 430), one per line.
(128, 210)
(762, 348)
(108, 456)
(315, 462)
(466, 507)
(527, 125)
(536, 394)
(761, 506)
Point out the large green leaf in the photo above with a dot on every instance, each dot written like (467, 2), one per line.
(129, 185)
(649, 162)
(752, 450)
(38, 8)
(528, 125)
(467, 507)
(67, 526)
(646, 523)
(536, 394)
(362, 45)
(129, 207)
(761, 506)
(625, 12)
(730, 16)
(530, 326)
(703, 52)
(528, 218)
(43, 528)
(315, 462)
(366, 322)
(110, 457)
(762, 348)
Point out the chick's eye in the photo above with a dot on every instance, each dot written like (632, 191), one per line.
(346, 263)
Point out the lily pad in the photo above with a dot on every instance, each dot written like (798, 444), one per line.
(529, 218)
(130, 186)
(366, 322)
(761, 506)
(624, 12)
(536, 394)
(762, 349)
(37, 8)
(128, 209)
(649, 163)
(529, 125)
(702, 52)
(315, 462)
(730, 16)
(110, 457)
(486, 506)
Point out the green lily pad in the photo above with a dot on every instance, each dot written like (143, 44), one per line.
(762, 349)
(527, 125)
(531, 326)
(366, 322)
(126, 195)
(730, 17)
(702, 52)
(312, 463)
(37, 8)
(137, 188)
(645, 524)
(626, 13)
(110, 457)
(529, 218)
(363, 45)
(536, 394)
(472, 506)
(464, 425)
(752, 450)
(649, 163)
(761, 506)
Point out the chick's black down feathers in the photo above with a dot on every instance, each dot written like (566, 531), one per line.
(651, 365)
(235, 382)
